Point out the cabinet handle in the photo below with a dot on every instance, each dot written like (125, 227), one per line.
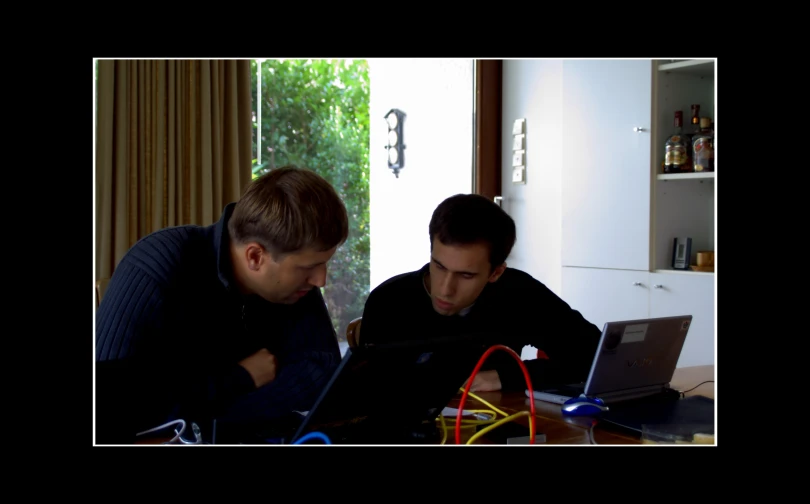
(658, 286)
(638, 129)
(636, 283)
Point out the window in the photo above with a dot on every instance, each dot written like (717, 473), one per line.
(315, 114)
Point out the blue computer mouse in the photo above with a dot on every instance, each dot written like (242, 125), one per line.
(583, 406)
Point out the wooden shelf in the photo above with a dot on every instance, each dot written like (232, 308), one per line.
(685, 176)
(699, 67)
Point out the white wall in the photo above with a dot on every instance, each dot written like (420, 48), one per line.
(437, 97)
(532, 90)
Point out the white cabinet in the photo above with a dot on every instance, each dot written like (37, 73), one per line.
(605, 295)
(620, 213)
(673, 294)
(606, 163)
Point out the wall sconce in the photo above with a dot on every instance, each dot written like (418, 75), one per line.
(396, 158)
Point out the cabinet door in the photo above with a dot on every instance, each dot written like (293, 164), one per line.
(603, 295)
(606, 163)
(675, 294)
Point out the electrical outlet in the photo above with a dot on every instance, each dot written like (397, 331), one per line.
(517, 127)
(517, 142)
(518, 174)
(517, 158)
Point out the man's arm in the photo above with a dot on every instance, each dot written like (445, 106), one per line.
(303, 372)
(140, 380)
(566, 337)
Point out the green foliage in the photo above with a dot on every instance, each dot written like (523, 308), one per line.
(314, 114)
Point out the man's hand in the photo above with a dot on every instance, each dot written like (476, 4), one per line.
(261, 366)
(486, 381)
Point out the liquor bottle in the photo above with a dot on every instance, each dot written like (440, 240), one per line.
(695, 119)
(676, 149)
(703, 147)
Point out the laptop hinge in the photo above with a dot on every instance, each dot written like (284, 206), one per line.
(634, 393)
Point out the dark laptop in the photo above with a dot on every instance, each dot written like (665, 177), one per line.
(384, 394)
(631, 371)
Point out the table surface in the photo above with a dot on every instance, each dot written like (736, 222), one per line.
(561, 429)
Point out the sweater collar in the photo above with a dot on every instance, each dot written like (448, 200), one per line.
(222, 245)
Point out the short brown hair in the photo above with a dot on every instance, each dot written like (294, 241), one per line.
(288, 209)
(464, 219)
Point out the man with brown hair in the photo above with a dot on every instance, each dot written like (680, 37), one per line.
(225, 321)
(467, 288)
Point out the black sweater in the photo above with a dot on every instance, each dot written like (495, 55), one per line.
(516, 310)
(172, 327)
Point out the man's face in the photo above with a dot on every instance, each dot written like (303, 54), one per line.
(291, 277)
(458, 274)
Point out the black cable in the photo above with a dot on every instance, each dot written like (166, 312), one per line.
(696, 386)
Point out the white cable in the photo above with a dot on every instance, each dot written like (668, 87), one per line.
(197, 435)
(168, 424)
(590, 436)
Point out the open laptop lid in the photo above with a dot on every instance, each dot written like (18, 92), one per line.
(637, 357)
(393, 387)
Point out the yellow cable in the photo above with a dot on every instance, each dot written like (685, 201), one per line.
(466, 423)
(498, 424)
(470, 394)
(444, 428)
(471, 423)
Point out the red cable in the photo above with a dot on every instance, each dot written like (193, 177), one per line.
(472, 376)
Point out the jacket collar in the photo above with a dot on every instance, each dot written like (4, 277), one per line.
(222, 245)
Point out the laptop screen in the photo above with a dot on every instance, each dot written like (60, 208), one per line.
(383, 390)
(635, 354)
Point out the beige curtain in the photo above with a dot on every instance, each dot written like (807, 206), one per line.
(173, 147)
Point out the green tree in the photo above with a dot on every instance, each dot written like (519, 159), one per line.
(314, 114)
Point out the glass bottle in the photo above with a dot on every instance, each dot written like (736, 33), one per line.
(703, 147)
(676, 149)
(695, 119)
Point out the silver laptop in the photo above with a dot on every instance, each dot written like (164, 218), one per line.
(634, 359)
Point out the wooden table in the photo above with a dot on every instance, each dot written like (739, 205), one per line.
(561, 429)
(558, 429)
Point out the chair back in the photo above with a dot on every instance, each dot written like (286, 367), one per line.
(101, 287)
(353, 332)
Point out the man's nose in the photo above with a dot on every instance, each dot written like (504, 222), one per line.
(318, 277)
(448, 286)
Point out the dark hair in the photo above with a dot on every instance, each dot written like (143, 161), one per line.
(287, 209)
(471, 218)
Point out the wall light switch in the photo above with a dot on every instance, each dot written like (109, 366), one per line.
(517, 127)
(517, 142)
(518, 174)
(517, 158)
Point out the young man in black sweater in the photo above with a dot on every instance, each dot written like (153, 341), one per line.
(467, 288)
(226, 321)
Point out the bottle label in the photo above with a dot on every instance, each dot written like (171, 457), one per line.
(675, 155)
(704, 154)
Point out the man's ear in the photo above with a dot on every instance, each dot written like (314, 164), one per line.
(254, 254)
(496, 274)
